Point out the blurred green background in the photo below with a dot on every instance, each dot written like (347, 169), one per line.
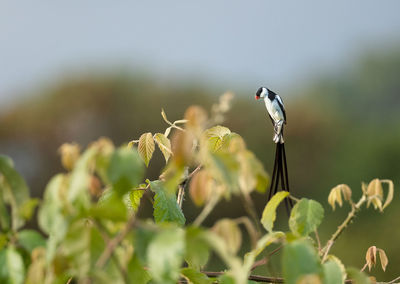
(342, 95)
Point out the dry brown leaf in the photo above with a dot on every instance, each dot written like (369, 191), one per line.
(383, 258)
(390, 194)
(370, 257)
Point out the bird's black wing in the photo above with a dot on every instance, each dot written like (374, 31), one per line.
(280, 103)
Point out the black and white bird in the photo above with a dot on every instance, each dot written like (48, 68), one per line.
(276, 111)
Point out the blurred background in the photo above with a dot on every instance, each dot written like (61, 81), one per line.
(78, 70)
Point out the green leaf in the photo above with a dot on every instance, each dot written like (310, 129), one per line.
(165, 255)
(30, 239)
(15, 191)
(134, 199)
(197, 250)
(50, 216)
(4, 216)
(262, 243)
(299, 259)
(166, 209)
(357, 276)
(28, 208)
(80, 178)
(225, 169)
(110, 206)
(15, 266)
(305, 217)
(195, 277)
(269, 213)
(142, 240)
(215, 137)
(83, 246)
(146, 147)
(3, 241)
(334, 271)
(136, 272)
(226, 279)
(125, 170)
(164, 144)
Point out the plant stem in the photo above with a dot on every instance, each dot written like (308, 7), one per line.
(355, 208)
(206, 210)
(256, 278)
(112, 244)
(249, 207)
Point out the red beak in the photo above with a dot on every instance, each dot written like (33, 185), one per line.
(257, 97)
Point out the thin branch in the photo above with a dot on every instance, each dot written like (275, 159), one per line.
(182, 185)
(342, 227)
(365, 266)
(253, 234)
(318, 240)
(394, 280)
(265, 259)
(249, 207)
(111, 245)
(256, 278)
(207, 210)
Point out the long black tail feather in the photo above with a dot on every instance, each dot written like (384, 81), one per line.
(280, 175)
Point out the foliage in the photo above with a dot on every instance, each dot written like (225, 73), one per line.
(90, 230)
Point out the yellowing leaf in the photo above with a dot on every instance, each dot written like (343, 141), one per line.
(229, 231)
(164, 116)
(389, 197)
(200, 187)
(164, 144)
(375, 189)
(269, 213)
(70, 153)
(146, 147)
(383, 258)
(336, 195)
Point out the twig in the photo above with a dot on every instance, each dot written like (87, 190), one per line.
(365, 266)
(253, 234)
(182, 185)
(207, 210)
(394, 280)
(256, 278)
(265, 259)
(249, 207)
(111, 245)
(318, 240)
(343, 226)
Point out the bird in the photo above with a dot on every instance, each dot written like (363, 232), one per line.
(276, 111)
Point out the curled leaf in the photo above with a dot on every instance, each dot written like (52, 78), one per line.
(370, 257)
(201, 187)
(70, 153)
(229, 231)
(335, 196)
(383, 258)
(146, 147)
(164, 144)
(389, 197)
(269, 213)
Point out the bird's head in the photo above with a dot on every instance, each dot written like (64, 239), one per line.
(261, 93)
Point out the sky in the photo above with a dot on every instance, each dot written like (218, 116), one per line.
(227, 42)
